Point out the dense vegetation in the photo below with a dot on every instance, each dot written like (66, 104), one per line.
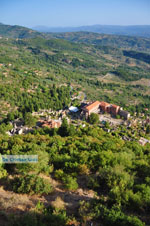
(31, 184)
(115, 41)
(138, 55)
(40, 73)
(34, 69)
(116, 170)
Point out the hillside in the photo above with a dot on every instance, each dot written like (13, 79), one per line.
(89, 172)
(82, 177)
(141, 31)
(17, 32)
(116, 41)
(39, 62)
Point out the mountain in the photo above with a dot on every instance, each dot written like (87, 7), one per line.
(17, 32)
(107, 40)
(135, 30)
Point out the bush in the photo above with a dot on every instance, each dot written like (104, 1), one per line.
(48, 216)
(31, 184)
(70, 183)
(59, 174)
(3, 172)
(93, 118)
(83, 169)
(115, 216)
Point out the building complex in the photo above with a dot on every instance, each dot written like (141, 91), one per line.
(97, 107)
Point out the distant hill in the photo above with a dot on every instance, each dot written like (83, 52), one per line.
(113, 41)
(137, 30)
(17, 32)
(104, 40)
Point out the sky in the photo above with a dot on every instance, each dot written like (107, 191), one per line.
(64, 13)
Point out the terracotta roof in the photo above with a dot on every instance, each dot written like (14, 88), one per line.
(114, 106)
(51, 124)
(105, 104)
(94, 104)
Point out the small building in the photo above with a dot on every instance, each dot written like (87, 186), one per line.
(125, 114)
(143, 141)
(73, 109)
(51, 124)
(92, 108)
(114, 109)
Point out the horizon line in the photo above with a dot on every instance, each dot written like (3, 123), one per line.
(72, 26)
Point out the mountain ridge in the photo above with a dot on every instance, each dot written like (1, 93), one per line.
(115, 41)
(131, 30)
(16, 31)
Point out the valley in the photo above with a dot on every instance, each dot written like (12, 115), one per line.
(93, 166)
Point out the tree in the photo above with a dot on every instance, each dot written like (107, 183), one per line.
(107, 125)
(4, 127)
(93, 118)
(10, 116)
(75, 62)
(148, 129)
(72, 130)
(63, 130)
(29, 120)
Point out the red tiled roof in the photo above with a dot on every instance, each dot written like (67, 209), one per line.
(91, 106)
(105, 104)
(114, 106)
(51, 124)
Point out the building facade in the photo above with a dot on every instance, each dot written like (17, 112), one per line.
(91, 108)
(105, 107)
(124, 114)
(114, 109)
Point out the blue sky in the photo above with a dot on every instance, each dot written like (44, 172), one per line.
(55, 13)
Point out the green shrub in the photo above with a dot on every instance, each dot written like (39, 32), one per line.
(47, 217)
(31, 184)
(70, 183)
(59, 174)
(93, 118)
(3, 172)
(114, 216)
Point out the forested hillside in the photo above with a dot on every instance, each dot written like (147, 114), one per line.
(29, 66)
(17, 31)
(100, 179)
(116, 41)
(84, 175)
